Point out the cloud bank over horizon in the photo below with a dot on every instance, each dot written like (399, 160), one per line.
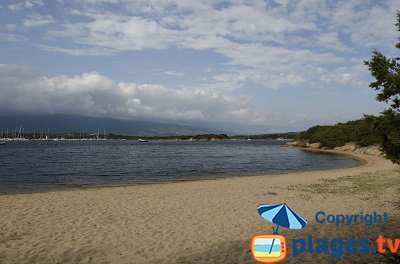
(265, 65)
(25, 91)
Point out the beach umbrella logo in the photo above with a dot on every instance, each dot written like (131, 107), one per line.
(272, 248)
(281, 215)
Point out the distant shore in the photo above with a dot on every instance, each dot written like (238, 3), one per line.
(208, 221)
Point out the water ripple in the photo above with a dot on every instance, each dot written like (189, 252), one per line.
(27, 166)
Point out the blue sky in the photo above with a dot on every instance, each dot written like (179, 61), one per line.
(244, 66)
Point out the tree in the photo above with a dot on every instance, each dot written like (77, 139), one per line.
(386, 72)
(389, 127)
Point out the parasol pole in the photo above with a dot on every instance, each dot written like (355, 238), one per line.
(275, 230)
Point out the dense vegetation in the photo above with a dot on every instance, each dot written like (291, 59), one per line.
(389, 128)
(364, 132)
(288, 135)
(371, 130)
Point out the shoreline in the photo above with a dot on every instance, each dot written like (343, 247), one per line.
(359, 157)
(361, 162)
(209, 221)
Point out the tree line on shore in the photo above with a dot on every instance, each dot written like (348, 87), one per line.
(384, 129)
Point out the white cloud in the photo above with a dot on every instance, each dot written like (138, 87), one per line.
(368, 24)
(331, 40)
(36, 20)
(10, 26)
(119, 33)
(12, 37)
(173, 73)
(15, 7)
(32, 3)
(262, 42)
(81, 51)
(26, 91)
(249, 43)
(27, 4)
(352, 76)
(270, 45)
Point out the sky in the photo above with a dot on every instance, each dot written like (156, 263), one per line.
(243, 66)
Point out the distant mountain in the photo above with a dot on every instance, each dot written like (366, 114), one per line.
(75, 123)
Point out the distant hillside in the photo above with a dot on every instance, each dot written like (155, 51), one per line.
(74, 123)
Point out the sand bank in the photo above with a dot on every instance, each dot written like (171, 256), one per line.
(208, 221)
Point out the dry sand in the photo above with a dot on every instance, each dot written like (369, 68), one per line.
(194, 222)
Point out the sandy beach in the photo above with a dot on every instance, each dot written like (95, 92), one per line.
(208, 221)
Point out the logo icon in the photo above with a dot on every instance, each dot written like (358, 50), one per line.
(272, 248)
(268, 248)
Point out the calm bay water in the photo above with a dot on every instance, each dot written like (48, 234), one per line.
(41, 166)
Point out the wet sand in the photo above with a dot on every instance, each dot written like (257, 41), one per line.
(209, 221)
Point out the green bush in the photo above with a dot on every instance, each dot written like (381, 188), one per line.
(389, 126)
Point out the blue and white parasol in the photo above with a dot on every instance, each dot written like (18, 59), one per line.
(282, 215)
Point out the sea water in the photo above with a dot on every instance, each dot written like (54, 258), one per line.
(32, 166)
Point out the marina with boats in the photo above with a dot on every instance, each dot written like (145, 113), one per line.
(19, 134)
